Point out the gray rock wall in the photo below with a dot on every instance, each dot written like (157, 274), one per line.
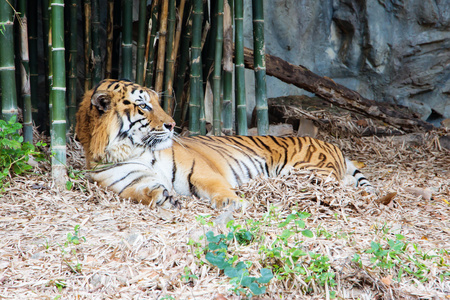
(388, 50)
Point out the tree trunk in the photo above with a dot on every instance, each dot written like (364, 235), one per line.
(337, 94)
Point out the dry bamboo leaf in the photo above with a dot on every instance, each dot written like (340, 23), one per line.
(420, 192)
(386, 199)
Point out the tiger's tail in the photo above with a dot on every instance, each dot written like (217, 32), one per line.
(356, 178)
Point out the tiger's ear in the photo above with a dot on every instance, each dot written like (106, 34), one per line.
(101, 100)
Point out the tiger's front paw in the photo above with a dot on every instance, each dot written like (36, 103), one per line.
(160, 196)
(229, 203)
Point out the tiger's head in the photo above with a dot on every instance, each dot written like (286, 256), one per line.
(118, 116)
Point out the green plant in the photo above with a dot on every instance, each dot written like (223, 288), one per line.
(14, 153)
(397, 257)
(76, 177)
(69, 248)
(321, 271)
(217, 255)
(188, 275)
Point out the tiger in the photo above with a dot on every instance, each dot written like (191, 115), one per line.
(131, 149)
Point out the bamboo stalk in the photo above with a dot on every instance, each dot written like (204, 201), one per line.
(170, 59)
(181, 73)
(50, 63)
(195, 96)
(174, 53)
(58, 136)
(127, 39)
(97, 57)
(87, 45)
(33, 44)
(45, 112)
(202, 93)
(241, 103)
(217, 103)
(25, 74)
(7, 66)
(227, 68)
(262, 115)
(109, 38)
(73, 55)
(140, 55)
(151, 52)
(117, 31)
(210, 44)
(161, 46)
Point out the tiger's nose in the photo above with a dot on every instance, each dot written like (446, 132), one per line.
(169, 126)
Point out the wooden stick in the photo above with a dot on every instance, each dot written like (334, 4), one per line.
(337, 94)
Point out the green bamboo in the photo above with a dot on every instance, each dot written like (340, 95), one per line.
(181, 73)
(170, 59)
(262, 115)
(73, 55)
(178, 30)
(141, 42)
(25, 73)
(50, 63)
(87, 45)
(195, 96)
(97, 57)
(127, 39)
(151, 52)
(58, 136)
(210, 44)
(217, 103)
(161, 47)
(33, 44)
(201, 92)
(7, 67)
(116, 40)
(241, 104)
(227, 68)
(45, 8)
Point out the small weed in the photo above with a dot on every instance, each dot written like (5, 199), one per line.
(394, 256)
(188, 275)
(69, 249)
(76, 177)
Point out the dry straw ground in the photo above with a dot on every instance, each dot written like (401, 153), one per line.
(128, 251)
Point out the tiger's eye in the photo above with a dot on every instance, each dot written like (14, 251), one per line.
(143, 106)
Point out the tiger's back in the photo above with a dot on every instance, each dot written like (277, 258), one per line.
(241, 158)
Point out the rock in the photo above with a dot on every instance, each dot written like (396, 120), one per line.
(275, 130)
(446, 123)
(392, 51)
(307, 128)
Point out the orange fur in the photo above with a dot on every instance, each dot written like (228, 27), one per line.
(128, 136)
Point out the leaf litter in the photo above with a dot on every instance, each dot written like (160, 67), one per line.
(133, 252)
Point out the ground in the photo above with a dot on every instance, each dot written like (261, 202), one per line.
(86, 243)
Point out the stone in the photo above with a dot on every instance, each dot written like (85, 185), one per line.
(387, 50)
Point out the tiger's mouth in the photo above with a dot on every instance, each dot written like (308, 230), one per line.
(158, 140)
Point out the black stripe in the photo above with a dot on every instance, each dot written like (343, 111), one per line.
(102, 169)
(174, 166)
(118, 180)
(192, 188)
(133, 182)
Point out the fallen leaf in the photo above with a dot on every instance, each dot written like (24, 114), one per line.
(358, 164)
(425, 193)
(220, 297)
(387, 280)
(386, 199)
(362, 123)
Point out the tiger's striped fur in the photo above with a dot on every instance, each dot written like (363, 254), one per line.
(128, 140)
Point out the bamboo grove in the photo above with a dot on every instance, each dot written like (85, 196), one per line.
(189, 51)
